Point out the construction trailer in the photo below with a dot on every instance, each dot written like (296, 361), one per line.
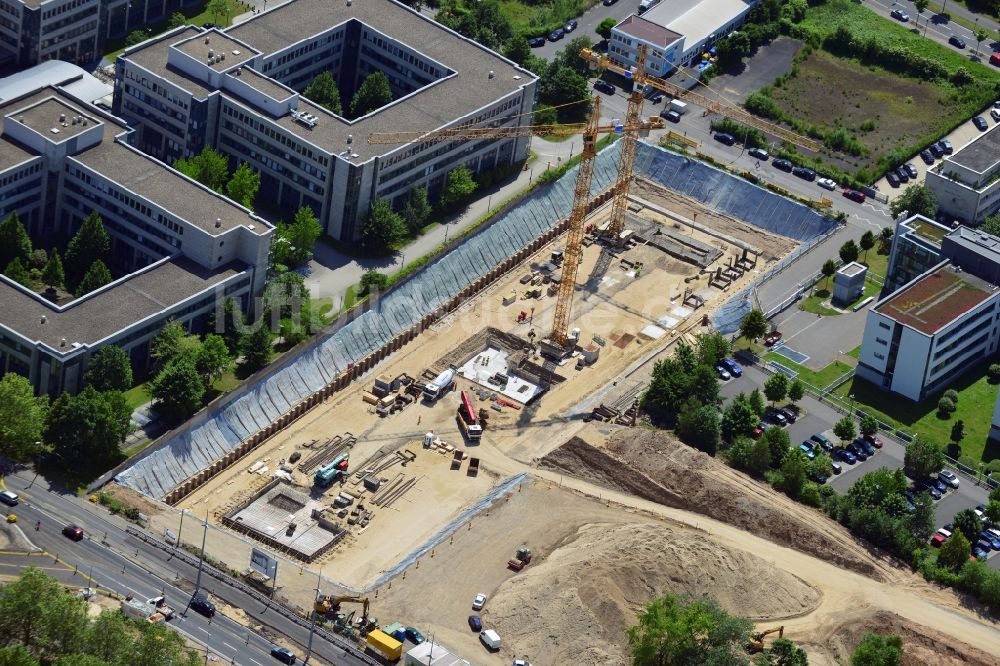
(430, 653)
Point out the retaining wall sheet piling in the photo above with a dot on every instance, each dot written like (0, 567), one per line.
(208, 437)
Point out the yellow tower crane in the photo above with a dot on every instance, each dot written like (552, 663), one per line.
(559, 338)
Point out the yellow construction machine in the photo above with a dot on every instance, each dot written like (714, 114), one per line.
(757, 640)
(327, 605)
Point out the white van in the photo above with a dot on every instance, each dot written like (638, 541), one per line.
(645, 5)
(490, 639)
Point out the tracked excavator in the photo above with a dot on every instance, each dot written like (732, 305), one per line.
(757, 639)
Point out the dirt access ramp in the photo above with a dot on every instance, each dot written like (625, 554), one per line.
(655, 466)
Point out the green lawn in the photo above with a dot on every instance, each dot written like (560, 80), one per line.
(534, 19)
(137, 396)
(877, 266)
(197, 19)
(976, 398)
(817, 378)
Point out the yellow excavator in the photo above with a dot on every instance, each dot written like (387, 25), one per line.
(757, 640)
(327, 605)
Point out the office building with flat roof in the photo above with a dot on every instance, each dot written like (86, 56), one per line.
(916, 248)
(240, 91)
(675, 32)
(178, 247)
(967, 183)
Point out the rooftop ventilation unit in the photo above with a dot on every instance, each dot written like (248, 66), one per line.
(350, 139)
(62, 118)
(236, 51)
(211, 53)
(211, 60)
(43, 319)
(62, 343)
(306, 119)
(207, 40)
(218, 222)
(492, 74)
(222, 56)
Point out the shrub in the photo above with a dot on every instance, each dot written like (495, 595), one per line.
(952, 395)
(993, 374)
(946, 406)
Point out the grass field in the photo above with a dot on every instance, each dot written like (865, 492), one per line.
(976, 398)
(136, 396)
(195, 16)
(816, 378)
(531, 19)
(877, 267)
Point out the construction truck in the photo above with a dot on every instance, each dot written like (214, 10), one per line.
(522, 558)
(443, 383)
(154, 610)
(384, 645)
(757, 640)
(327, 474)
(468, 420)
(330, 606)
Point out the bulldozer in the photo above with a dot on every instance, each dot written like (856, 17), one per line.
(330, 606)
(522, 558)
(757, 640)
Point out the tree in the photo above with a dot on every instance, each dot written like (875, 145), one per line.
(757, 402)
(731, 50)
(759, 460)
(920, 6)
(968, 523)
(704, 385)
(458, 187)
(96, 277)
(993, 373)
(560, 84)
(88, 429)
(793, 474)
(945, 406)
(753, 325)
(324, 91)
(712, 348)
(604, 27)
(776, 387)
(38, 259)
(980, 35)
(242, 187)
(954, 552)
(178, 388)
(168, 343)
(14, 241)
(867, 241)
(921, 520)
(844, 429)
(109, 369)
(372, 279)
(38, 615)
(915, 200)
(209, 167)
(784, 652)
(796, 391)
(828, 269)
(517, 49)
(545, 115)
(136, 37)
(416, 210)
(778, 444)
(922, 458)
(699, 426)
(18, 273)
(739, 418)
(230, 328)
(869, 425)
(374, 93)
(284, 296)
(992, 512)
(212, 359)
(90, 243)
(258, 348)
(569, 55)
(383, 227)
(885, 240)
(684, 630)
(849, 251)
(878, 650)
(302, 233)
(218, 8)
(177, 20)
(52, 274)
(22, 418)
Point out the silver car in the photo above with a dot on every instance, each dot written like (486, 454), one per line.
(949, 477)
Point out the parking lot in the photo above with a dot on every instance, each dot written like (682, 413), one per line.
(818, 417)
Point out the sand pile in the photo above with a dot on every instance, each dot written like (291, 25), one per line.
(594, 584)
(654, 465)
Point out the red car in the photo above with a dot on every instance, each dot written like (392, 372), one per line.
(855, 195)
(937, 540)
(73, 532)
(874, 441)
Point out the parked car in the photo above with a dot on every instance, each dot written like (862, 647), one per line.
(821, 439)
(489, 637)
(608, 3)
(855, 195)
(946, 145)
(858, 452)
(475, 623)
(941, 486)
(980, 511)
(9, 498)
(995, 115)
(818, 477)
(936, 149)
(923, 486)
(865, 445)
(722, 372)
(479, 601)
(893, 179)
(957, 42)
(991, 539)
(808, 449)
(902, 175)
(835, 466)
(827, 184)
(655, 98)
(926, 156)
(805, 173)
(284, 655)
(781, 164)
(873, 440)
(899, 15)
(759, 153)
(672, 116)
(912, 170)
(414, 636)
(570, 25)
(979, 552)
(74, 532)
(727, 139)
(948, 477)
(536, 42)
(556, 35)
(789, 414)
(995, 59)
(776, 417)
(734, 368)
(772, 338)
(846, 456)
(980, 123)
(603, 86)
(938, 540)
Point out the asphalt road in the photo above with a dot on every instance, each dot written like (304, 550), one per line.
(115, 561)
(820, 417)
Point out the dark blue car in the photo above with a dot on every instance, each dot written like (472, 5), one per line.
(734, 368)
(990, 539)
(475, 623)
(846, 456)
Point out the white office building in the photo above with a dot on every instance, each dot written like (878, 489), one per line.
(967, 183)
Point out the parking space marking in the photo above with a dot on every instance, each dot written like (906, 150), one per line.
(789, 353)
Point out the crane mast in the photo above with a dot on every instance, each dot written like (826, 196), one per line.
(627, 158)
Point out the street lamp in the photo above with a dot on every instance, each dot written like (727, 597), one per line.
(852, 405)
(312, 626)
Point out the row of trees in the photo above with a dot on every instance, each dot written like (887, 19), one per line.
(696, 631)
(373, 93)
(41, 624)
(211, 169)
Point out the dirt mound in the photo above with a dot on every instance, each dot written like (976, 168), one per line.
(655, 466)
(594, 584)
(921, 644)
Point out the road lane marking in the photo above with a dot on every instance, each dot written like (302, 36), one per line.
(228, 645)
